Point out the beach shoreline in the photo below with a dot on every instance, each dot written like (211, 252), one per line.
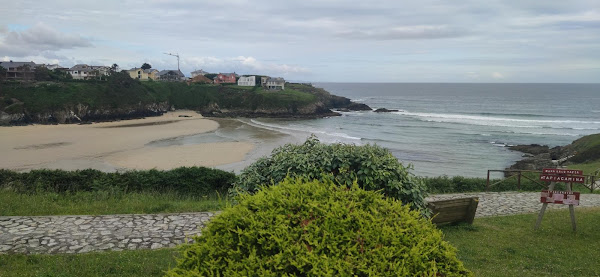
(120, 145)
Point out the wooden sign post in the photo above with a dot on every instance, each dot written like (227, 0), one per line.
(568, 197)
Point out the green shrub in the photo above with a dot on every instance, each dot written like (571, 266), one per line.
(318, 229)
(183, 180)
(456, 184)
(373, 167)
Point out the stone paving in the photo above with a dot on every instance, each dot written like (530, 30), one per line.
(80, 234)
(506, 203)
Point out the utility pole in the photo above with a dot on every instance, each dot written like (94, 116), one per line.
(174, 55)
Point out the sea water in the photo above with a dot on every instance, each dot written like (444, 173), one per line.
(455, 129)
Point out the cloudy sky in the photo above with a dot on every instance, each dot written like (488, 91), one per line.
(317, 40)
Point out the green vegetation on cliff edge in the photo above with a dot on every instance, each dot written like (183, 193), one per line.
(120, 92)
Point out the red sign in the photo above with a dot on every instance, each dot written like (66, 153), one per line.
(562, 178)
(562, 171)
(560, 197)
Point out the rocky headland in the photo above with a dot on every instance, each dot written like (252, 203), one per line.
(537, 157)
(124, 98)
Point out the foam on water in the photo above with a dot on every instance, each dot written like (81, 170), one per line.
(523, 125)
(296, 129)
(456, 129)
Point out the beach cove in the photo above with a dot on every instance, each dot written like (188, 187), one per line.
(146, 143)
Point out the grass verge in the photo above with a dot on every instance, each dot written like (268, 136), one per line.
(508, 245)
(102, 202)
(493, 246)
(587, 167)
(124, 263)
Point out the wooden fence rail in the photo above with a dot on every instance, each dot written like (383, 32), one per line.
(589, 184)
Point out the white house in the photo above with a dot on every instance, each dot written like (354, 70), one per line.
(275, 83)
(247, 81)
(84, 71)
(198, 72)
(53, 66)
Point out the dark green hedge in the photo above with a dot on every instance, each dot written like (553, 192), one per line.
(445, 184)
(183, 180)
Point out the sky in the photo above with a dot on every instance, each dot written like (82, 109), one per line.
(317, 40)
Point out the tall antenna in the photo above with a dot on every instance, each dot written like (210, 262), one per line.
(174, 55)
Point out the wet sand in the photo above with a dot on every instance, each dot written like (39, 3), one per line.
(119, 145)
(204, 154)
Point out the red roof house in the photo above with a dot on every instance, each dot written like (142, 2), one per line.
(224, 78)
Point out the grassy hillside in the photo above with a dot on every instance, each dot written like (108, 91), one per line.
(587, 148)
(587, 154)
(45, 97)
(120, 95)
(199, 96)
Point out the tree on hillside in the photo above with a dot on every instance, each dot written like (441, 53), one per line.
(60, 75)
(119, 80)
(2, 73)
(27, 72)
(210, 76)
(146, 66)
(113, 68)
(41, 73)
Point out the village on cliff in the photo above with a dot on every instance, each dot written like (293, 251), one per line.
(24, 71)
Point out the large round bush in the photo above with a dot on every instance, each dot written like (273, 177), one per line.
(318, 229)
(371, 166)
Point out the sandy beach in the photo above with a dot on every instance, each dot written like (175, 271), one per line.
(109, 146)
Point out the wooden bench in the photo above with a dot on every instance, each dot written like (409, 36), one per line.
(454, 210)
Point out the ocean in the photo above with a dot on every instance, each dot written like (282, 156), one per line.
(454, 129)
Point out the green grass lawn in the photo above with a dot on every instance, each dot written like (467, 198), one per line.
(588, 167)
(287, 93)
(508, 245)
(125, 263)
(100, 202)
(493, 246)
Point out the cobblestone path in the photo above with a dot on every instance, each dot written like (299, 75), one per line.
(80, 234)
(505, 203)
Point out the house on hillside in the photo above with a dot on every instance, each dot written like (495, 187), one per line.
(19, 70)
(247, 81)
(225, 78)
(53, 66)
(171, 75)
(143, 74)
(198, 72)
(201, 79)
(273, 83)
(56, 67)
(85, 72)
(152, 73)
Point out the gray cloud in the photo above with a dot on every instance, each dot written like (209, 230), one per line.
(405, 32)
(328, 40)
(590, 18)
(39, 39)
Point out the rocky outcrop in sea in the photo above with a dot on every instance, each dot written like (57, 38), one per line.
(538, 157)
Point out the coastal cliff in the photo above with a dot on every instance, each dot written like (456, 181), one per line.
(83, 113)
(297, 101)
(124, 98)
(537, 157)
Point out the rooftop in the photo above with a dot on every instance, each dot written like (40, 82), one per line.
(176, 71)
(17, 64)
